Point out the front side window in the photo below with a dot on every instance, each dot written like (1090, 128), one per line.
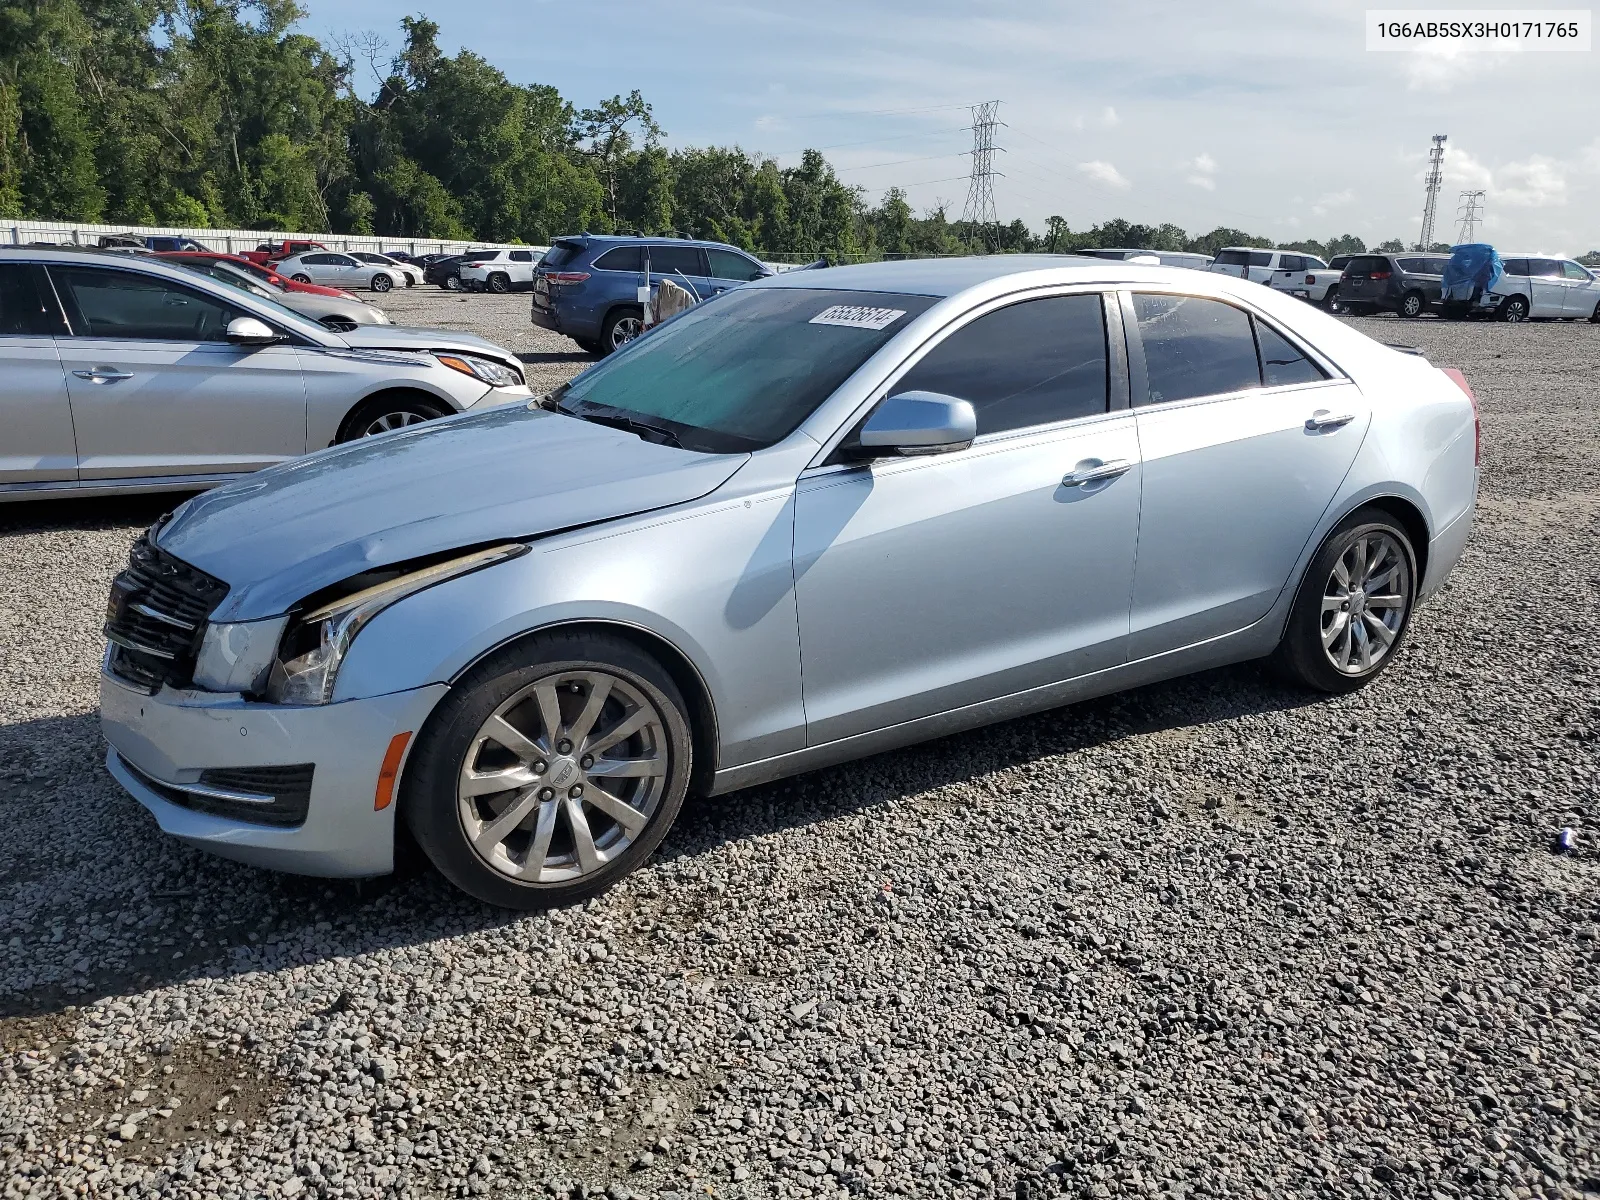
(1260, 258)
(1291, 262)
(1033, 363)
(725, 264)
(521, 256)
(1194, 347)
(743, 370)
(122, 304)
(27, 305)
(1573, 270)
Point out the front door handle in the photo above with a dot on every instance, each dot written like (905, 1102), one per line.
(1323, 419)
(1097, 473)
(103, 375)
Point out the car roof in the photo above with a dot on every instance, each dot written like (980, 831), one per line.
(948, 276)
(627, 239)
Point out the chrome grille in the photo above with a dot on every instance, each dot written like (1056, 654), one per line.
(157, 615)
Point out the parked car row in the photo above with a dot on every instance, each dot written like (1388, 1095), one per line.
(145, 372)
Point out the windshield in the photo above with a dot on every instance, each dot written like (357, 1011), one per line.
(741, 372)
(263, 292)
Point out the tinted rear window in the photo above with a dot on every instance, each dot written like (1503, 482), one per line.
(1194, 347)
(620, 258)
(562, 253)
(1543, 266)
(1232, 258)
(1366, 264)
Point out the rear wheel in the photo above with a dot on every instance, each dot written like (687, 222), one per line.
(498, 282)
(302, 277)
(452, 283)
(587, 346)
(386, 413)
(1330, 300)
(1514, 309)
(1412, 304)
(1359, 310)
(1594, 317)
(1354, 605)
(381, 282)
(620, 328)
(550, 771)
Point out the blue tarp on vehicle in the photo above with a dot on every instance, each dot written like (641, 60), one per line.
(1473, 269)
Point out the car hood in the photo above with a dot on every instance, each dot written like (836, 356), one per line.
(505, 474)
(403, 337)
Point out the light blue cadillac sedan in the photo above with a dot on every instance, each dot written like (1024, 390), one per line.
(819, 516)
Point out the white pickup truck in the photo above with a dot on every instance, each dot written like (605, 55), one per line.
(1312, 282)
(506, 271)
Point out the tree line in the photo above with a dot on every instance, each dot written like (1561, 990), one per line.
(215, 113)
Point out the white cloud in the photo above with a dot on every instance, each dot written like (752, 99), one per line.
(1105, 119)
(1108, 117)
(1202, 171)
(1332, 200)
(1537, 182)
(1104, 172)
(1462, 170)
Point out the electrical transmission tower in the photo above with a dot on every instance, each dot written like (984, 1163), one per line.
(1471, 211)
(980, 210)
(1435, 178)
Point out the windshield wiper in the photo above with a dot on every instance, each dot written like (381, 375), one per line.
(645, 430)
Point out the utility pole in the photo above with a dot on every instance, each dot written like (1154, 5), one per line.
(980, 210)
(1471, 210)
(1435, 178)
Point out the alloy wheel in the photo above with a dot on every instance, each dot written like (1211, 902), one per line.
(563, 777)
(625, 330)
(1364, 603)
(1514, 309)
(391, 421)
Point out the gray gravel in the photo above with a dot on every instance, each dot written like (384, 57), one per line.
(1212, 938)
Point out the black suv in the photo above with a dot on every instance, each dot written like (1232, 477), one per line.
(1408, 284)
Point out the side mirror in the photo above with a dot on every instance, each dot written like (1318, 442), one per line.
(919, 423)
(248, 331)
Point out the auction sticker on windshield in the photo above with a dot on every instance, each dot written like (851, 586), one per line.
(858, 317)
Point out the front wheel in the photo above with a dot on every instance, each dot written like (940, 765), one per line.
(1354, 605)
(1412, 304)
(620, 328)
(1514, 309)
(385, 414)
(551, 771)
(381, 283)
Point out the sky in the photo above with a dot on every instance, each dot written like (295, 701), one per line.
(1264, 116)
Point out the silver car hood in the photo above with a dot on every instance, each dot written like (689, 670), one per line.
(507, 473)
(403, 337)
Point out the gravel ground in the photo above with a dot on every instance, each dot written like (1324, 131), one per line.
(1211, 938)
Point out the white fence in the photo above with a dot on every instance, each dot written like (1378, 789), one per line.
(229, 241)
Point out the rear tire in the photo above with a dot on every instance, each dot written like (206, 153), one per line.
(621, 326)
(1513, 309)
(1330, 300)
(452, 283)
(587, 346)
(499, 284)
(384, 413)
(564, 847)
(1362, 577)
(1359, 310)
(302, 277)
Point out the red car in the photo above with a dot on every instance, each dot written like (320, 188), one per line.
(259, 271)
(270, 252)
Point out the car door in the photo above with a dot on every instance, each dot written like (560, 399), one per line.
(1547, 289)
(730, 269)
(680, 263)
(1243, 452)
(36, 441)
(519, 267)
(926, 584)
(1582, 293)
(156, 388)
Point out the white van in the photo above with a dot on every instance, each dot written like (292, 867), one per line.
(1542, 287)
(1247, 262)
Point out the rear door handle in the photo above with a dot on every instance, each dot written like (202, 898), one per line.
(103, 375)
(1095, 474)
(1323, 419)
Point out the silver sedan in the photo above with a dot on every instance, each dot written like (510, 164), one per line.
(121, 373)
(340, 271)
(956, 491)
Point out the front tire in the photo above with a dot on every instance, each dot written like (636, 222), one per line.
(1412, 304)
(553, 769)
(620, 328)
(381, 283)
(1354, 605)
(385, 414)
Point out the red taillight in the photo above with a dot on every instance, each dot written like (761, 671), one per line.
(1311, 278)
(1379, 275)
(567, 276)
(1460, 380)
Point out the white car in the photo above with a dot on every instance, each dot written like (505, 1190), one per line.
(506, 271)
(413, 275)
(340, 271)
(1249, 262)
(1542, 287)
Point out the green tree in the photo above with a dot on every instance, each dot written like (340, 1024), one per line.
(609, 132)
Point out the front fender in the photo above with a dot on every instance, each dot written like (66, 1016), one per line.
(716, 582)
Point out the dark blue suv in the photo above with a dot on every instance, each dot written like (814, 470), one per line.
(588, 286)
